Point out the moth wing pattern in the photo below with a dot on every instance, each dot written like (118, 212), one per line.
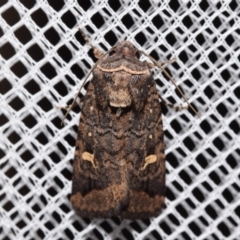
(119, 163)
(95, 187)
(146, 161)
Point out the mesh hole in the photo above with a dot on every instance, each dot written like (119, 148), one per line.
(7, 51)
(69, 19)
(195, 229)
(127, 21)
(115, 4)
(17, 104)
(14, 137)
(144, 5)
(40, 18)
(11, 16)
(141, 38)
(19, 69)
(5, 86)
(28, 4)
(52, 36)
(57, 6)
(97, 20)
(106, 226)
(67, 174)
(8, 206)
(85, 4)
(223, 228)
(35, 52)
(65, 53)
(32, 87)
(23, 34)
(29, 121)
(48, 70)
(3, 119)
(111, 38)
(45, 104)
(164, 226)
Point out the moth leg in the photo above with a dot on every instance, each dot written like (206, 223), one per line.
(97, 52)
(77, 103)
(68, 108)
(163, 64)
(148, 160)
(89, 157)
(173, 106)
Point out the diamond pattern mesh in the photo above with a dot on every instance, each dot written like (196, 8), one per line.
(43, 62)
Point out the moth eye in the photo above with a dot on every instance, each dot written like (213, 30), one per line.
(112, 52)
(137, 54)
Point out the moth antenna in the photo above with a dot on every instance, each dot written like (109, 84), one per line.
(86, 38)
(168, 62)
(171, 79)
(84, 81)
(74, 100)
(97, 52)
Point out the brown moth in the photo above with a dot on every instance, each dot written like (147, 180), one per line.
(119, 163)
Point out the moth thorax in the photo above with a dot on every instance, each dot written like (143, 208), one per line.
(119, 95)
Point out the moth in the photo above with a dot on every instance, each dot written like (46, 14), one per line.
(119, 162)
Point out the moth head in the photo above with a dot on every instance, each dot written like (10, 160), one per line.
(125, 48)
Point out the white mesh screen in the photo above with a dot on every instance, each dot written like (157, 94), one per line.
(43, 62)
